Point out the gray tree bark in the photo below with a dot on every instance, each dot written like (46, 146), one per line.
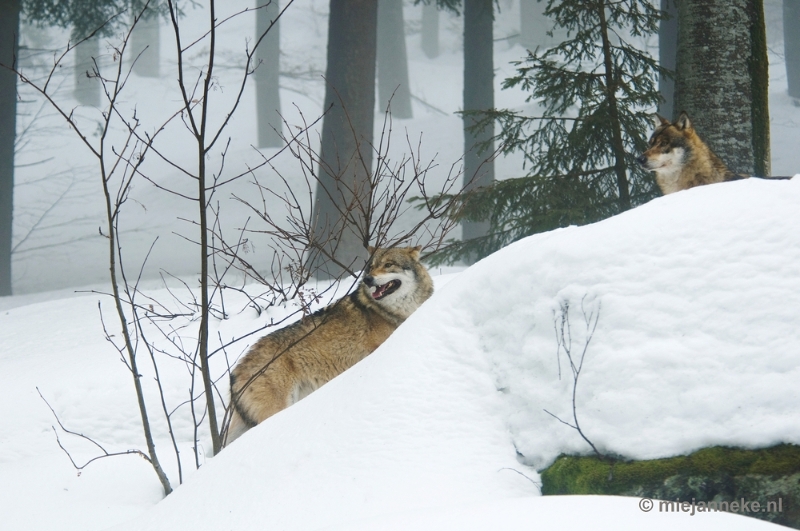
(87, 89)
(478, 96)
(667, 53)
(791, 45)
(722, 79)
(9, 39)
(267, 74)
(146, 46)
(346, 152)
(430, 30)
(392, 60)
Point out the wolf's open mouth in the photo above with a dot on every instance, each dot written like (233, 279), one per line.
(388, 288)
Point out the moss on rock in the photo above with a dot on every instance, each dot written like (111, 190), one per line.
(717, 474)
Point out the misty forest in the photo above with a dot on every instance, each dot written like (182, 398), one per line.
(179, 178)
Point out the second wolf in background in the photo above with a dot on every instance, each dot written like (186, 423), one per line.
(290, 363)
(681, 159)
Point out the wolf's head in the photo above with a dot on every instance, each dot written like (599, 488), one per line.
(670, 145)
(396, 280)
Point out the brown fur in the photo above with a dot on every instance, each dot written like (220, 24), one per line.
(288, 364)
(680, 159)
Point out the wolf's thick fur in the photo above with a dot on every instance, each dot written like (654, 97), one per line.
(287, 365)
(681, 159)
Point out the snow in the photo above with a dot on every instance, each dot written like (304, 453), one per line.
(696, 344)
(554, 512)
(444, 427)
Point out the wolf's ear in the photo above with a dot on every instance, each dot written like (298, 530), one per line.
(415, 251)
(659, 120)
(370, 250)
(683, 123)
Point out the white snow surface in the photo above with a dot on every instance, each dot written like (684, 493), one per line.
(697, 344)
(604, 513)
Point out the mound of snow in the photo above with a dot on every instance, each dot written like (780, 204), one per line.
(601, 513)
(696, 297)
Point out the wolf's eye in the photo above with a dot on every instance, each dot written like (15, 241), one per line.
(389, 264)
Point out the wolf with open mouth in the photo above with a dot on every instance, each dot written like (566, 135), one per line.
(290, 363)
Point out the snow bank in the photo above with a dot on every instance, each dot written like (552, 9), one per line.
(697, 296)
(601, 513)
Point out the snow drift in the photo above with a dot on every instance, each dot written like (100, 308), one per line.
(696, 295)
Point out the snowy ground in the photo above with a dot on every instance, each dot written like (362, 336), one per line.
(695, 295)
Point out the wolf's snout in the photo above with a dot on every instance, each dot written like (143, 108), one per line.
(369, 280)
(641, 159)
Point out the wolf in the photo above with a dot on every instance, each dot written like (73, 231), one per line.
(681, 159)
(288, 364)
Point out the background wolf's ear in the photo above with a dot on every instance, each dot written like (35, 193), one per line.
(370, 250)
(683, 122)
(415, 251)
(659, 120)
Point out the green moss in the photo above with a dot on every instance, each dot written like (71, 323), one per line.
(591, 475)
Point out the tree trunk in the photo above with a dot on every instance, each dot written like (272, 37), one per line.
(478, 96)
(722, 79)
(343, 189)
(791, 45)
(617, 145)
(9, 38)
(87, 89)
(667, 51)
(267, 74)
(392, 61)
(146, 46)
(430, 30)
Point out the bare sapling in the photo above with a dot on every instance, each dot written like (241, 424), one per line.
(379, 210)
(563, 330)
(118, 161)
(196, 98)
(120, 158)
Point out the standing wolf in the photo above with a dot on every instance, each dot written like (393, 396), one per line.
(290, 363)
(681, 159)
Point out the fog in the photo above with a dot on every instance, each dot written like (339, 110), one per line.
(58, 203)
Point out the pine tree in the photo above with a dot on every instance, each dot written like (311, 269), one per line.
(478, 99)
(597, 90)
